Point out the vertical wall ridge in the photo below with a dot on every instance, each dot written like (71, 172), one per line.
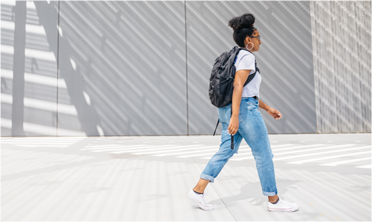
(58, 33)
(187, 79)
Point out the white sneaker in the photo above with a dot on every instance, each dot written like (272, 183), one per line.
(282, 206)
(199, 199)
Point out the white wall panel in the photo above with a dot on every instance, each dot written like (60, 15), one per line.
(341, 33)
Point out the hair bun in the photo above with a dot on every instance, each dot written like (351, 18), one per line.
(245, 21)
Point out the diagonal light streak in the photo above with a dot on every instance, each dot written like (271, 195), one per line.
(168, 151)
(331, 157)
(346, 161)
(299, 151)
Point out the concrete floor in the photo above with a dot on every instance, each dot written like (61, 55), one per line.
(148, 178)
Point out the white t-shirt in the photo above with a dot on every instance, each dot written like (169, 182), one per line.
(245, 60)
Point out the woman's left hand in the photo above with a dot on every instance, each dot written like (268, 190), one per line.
(274, 113)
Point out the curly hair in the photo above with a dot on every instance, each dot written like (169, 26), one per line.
(243, 27)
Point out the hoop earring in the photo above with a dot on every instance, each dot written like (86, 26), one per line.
(246, 46)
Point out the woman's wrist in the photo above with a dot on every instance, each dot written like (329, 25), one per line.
(268, 108)
(235, 115)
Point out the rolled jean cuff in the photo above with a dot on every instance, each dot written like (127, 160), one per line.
(270, 193)
(207, 177)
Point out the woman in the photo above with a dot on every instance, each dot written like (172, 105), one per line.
(245, 122)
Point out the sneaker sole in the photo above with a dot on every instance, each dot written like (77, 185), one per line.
(199, 204)
(293, 209)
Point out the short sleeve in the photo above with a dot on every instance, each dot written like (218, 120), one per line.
(246, 63)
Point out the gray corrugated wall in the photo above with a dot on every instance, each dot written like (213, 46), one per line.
(124, 65)
(121, 68)
(142, 68)
(342, 65)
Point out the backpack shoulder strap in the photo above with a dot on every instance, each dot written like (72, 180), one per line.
(251, 76)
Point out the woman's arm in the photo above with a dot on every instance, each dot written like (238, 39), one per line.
(263, 105)
(240, 77)
(273, 112)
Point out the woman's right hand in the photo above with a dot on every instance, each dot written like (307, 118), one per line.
(234, 125)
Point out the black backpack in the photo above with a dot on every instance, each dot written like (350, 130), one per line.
(222, 80)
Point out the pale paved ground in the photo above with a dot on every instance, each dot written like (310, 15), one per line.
(147, 178)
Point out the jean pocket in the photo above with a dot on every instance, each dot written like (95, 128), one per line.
(224, 114)
(242, 112)
(250, 106)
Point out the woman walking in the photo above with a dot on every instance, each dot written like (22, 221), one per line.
(245, 122)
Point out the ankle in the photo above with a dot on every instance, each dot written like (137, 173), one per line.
(198, 191)
(274, 201)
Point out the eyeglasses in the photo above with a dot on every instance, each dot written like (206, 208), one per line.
(258, 37)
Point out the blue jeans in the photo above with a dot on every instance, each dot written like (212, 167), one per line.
(253, 129)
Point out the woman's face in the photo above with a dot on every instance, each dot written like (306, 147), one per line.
(255, 40)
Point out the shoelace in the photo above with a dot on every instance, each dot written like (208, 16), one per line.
(285, 203)
(202, 195)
